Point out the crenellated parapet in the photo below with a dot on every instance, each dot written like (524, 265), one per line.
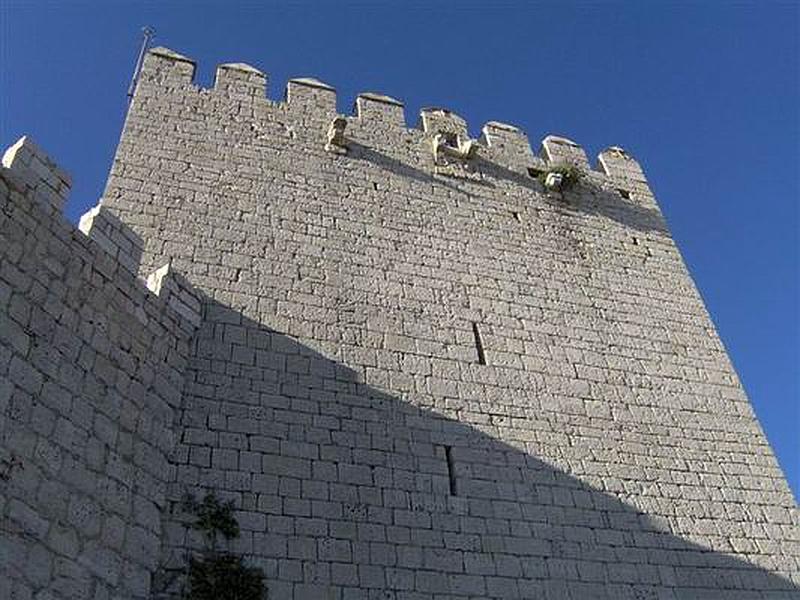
(28, 172)
(177, 293)
(165, 68)
(510, 142)
(617, 164)
(102, 357)
(33, 173)
(311, 97)
(441, 120)
(112, 235)
(378, 119)
(560, 150)
(240, 81)
(379, 108)
(120, 243)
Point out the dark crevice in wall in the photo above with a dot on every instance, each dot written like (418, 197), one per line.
(479, 344)
(451, 471)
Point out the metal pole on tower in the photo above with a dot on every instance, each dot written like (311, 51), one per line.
(148, 33)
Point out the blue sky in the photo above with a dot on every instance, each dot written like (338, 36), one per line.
(705, 95)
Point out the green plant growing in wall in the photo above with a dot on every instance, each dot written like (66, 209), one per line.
(215, 574)
(212, 518)
(568, 176)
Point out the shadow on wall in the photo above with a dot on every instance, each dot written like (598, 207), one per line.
(342, 487)
(396, 167)
(600, 202)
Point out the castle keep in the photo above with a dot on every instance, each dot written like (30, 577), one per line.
(423, 367)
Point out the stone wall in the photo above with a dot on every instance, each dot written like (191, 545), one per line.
(434, 380)
(91, 371)
(605, 449)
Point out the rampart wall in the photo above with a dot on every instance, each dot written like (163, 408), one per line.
(92, 369)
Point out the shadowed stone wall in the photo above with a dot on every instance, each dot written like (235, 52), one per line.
(91, 372)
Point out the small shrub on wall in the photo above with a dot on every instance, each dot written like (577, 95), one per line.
(216, 574)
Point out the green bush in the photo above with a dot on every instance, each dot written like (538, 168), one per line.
(222, 576)
(212, 517)
(572, 175)
(214, 574)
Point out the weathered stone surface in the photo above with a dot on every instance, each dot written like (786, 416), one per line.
(414, 381)
(90, 364)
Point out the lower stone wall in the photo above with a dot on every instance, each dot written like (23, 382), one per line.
(347, 491)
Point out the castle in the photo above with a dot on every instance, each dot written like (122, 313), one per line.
(421, 366)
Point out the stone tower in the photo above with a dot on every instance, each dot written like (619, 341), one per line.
(420, 365)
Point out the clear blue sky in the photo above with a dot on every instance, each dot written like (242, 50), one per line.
(706, 95)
